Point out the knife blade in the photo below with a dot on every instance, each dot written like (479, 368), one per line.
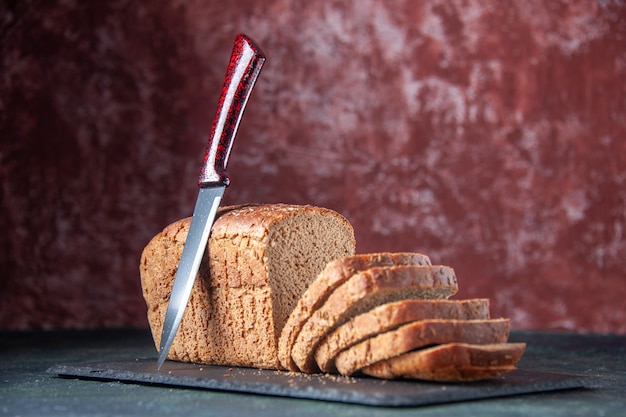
(244, 67)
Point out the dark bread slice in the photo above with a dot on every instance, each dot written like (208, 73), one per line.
(333, 275)
(417, 335)
(390, 316)
(452, 362)
(364, 291)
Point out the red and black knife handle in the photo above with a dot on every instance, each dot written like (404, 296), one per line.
(243, 70)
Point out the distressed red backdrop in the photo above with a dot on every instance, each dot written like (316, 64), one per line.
(489, 135)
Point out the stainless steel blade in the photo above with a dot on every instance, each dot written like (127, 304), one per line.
(203, 215)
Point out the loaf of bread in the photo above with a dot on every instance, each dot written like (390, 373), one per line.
(333, 275)
(390, 316)
(452, 362)
(260, 260)
(280, 287)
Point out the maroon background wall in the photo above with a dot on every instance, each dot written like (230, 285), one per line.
(489, 135)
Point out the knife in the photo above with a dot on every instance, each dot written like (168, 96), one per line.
(243, 69)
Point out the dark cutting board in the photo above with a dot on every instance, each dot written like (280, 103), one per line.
(356, 390)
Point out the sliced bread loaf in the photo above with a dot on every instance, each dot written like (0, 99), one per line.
(451, 362)
(417, 335)
(389, 316)
(260, 260)
(333, 275)
(364, 291)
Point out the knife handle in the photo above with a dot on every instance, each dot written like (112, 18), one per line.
(243, 69)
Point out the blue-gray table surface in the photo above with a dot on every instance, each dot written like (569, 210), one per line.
(26, 389)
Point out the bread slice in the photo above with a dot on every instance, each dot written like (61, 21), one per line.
(417, 335)
(390, 316)
(452, 362)
(260, 260)
(362, 292)
(333, 275)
